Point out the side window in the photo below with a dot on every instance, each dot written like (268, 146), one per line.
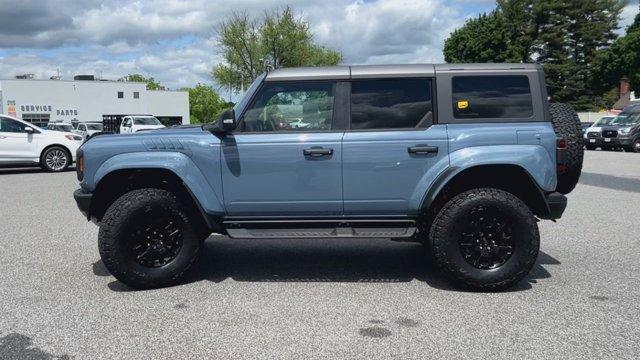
(12, 126)
(391, 104)
(302, 106)
(491, 97)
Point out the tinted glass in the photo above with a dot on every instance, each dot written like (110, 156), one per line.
(12, 126)
(291, 107)
(491, 97)
(94, 127)
(146, 121)
(391, 104)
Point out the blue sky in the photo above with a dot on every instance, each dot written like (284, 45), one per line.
(174, 41)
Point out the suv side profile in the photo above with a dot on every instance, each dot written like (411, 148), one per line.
(24, 144)
(464, 158)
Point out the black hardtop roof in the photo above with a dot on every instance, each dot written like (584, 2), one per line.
(387, 71)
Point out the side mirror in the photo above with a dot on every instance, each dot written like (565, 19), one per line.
(226, 123)
(29, 130)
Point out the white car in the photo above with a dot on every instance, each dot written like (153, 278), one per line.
(134, 124)
(22, 143)
(87, 129)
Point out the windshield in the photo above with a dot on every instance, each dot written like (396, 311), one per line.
(94, 127)
(606, 120)
(626, 119)
(146, 121)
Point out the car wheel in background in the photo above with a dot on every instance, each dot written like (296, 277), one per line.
(636, 146)
(55, 159)
(590, 147)
(485, 239)
(566, 124)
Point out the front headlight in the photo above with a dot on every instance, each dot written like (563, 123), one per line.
(74, 137)
(625, 131)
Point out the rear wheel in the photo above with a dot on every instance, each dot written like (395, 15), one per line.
(636, 146)
(566, 124)
(55, 159)
(148, 240)
(485, 239)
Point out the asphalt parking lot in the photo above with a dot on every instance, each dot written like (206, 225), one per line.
(371, 299)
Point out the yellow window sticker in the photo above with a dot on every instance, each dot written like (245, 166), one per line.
(463, 104)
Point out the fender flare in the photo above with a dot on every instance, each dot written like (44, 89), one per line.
(204, 195)
(532, 159)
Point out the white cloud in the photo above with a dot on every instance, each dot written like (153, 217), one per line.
(627, 16)
(172, 40)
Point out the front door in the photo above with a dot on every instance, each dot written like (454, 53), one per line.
(392, 150)
(284, 160)
(16, 145)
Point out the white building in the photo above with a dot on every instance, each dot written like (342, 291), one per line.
(41, 101)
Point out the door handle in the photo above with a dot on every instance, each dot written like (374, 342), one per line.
(317, 151)
(422, 149)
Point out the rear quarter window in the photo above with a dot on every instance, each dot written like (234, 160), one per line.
(492, 97)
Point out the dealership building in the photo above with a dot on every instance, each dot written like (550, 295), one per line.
(85, 99)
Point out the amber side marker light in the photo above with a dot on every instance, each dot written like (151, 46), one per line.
(79, 165)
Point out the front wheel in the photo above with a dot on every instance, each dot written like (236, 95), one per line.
(485, 239)
(636, 146)
(590, 147)
(147, 239)
(55, 159)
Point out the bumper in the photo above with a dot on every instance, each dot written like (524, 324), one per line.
(83, 200)
(615, 142)
(556, 203)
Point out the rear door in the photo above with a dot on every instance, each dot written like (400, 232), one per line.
(285, 158)
(392, 146)
(16, 145)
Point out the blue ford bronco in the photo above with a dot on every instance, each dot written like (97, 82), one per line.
(464, 158)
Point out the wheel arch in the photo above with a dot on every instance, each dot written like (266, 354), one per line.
(512, 178)
(120, 181)
(66, 149)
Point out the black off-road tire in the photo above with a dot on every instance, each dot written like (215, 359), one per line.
(566, 124)
(115, 238)
(446, 234)
(61, 156)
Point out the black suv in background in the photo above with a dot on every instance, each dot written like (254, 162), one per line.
(624, 131)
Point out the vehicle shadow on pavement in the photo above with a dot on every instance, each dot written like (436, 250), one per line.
(322, 260)
(610, 182)
(325, 260)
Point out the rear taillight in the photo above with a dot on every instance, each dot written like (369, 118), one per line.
(561, 144)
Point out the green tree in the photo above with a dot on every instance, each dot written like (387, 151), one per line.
(569, 40)
(621, 59)
(483, 39)
(563, 35)
(152, 84)
(249, 47)
(204, 103)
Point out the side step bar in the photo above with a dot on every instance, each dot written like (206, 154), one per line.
(256, 229)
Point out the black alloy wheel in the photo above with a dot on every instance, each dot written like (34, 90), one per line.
(156, 239)
(487, 241)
